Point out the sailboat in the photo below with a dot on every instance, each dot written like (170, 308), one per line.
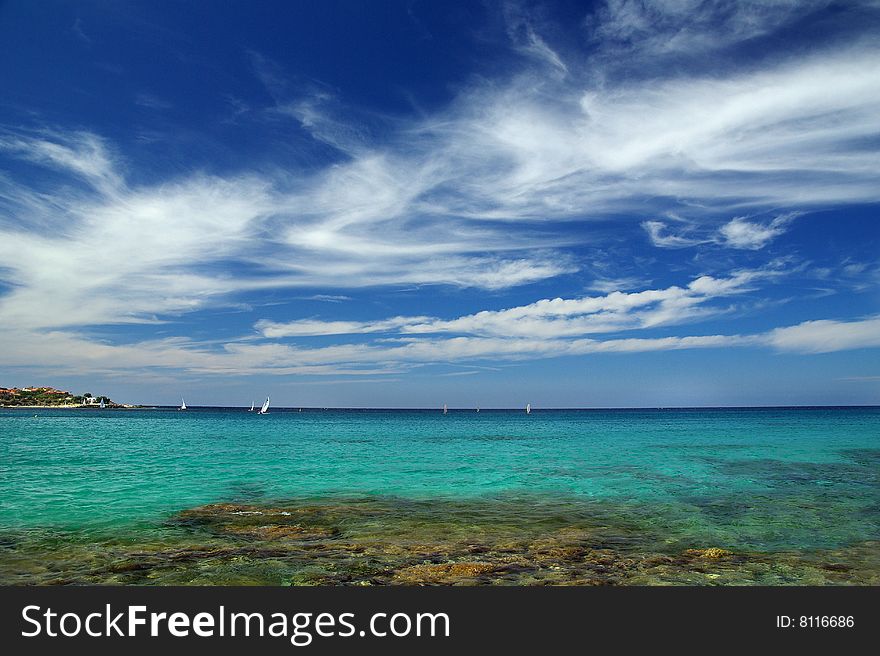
(182, 405)
(102, 404)
(252, 407)
(445, 409)
(478, 409)
(528, 408)
(265, 409)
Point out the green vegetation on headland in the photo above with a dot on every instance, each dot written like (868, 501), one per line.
(49, 397)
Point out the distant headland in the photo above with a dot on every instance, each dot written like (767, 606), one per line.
(49, 397)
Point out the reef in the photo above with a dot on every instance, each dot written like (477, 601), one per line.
(398, 542)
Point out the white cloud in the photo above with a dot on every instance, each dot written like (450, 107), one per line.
(319, 114)
(739, 232)
(659, 237)
(825, 336)
(82, 154)
(552, 318)
(329, 298)
(308, 327)
(522, 33)
(112, 253)
(434, 204)
(555, 318)
(479, 194)
(130, 256)
(59, 351)
(628, 29)
(615, 284)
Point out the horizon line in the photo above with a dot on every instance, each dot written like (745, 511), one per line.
(518, 408)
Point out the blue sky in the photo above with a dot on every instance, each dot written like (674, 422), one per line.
(415, 203)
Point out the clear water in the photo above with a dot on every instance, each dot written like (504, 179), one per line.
(764, 480)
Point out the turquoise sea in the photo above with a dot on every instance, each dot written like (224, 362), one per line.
(221, 495)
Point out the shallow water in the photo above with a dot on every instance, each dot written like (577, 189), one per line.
(375, 497)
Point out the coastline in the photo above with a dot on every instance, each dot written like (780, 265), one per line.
(52, 397)
(42, 407)
(69, 407)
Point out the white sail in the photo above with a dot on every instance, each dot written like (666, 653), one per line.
(528, 408)
(252, 407)
(265, 409)
(445, 409)
(102, 403)
(182, 404)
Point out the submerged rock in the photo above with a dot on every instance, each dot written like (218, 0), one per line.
(389, 541)
(443, 573)
(262, 522)
(280, 532)
(711, 553)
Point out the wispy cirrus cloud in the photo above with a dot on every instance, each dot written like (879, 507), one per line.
(151, 101)
(630, 30)
(661, 237)
(480, 194)
(740, 232)
(78, 29)
(80, 154)
(558, 317)
(428, 206)
(118, 253)
(311, 327)
(524, 36)
(65, 350)
(328, 298)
